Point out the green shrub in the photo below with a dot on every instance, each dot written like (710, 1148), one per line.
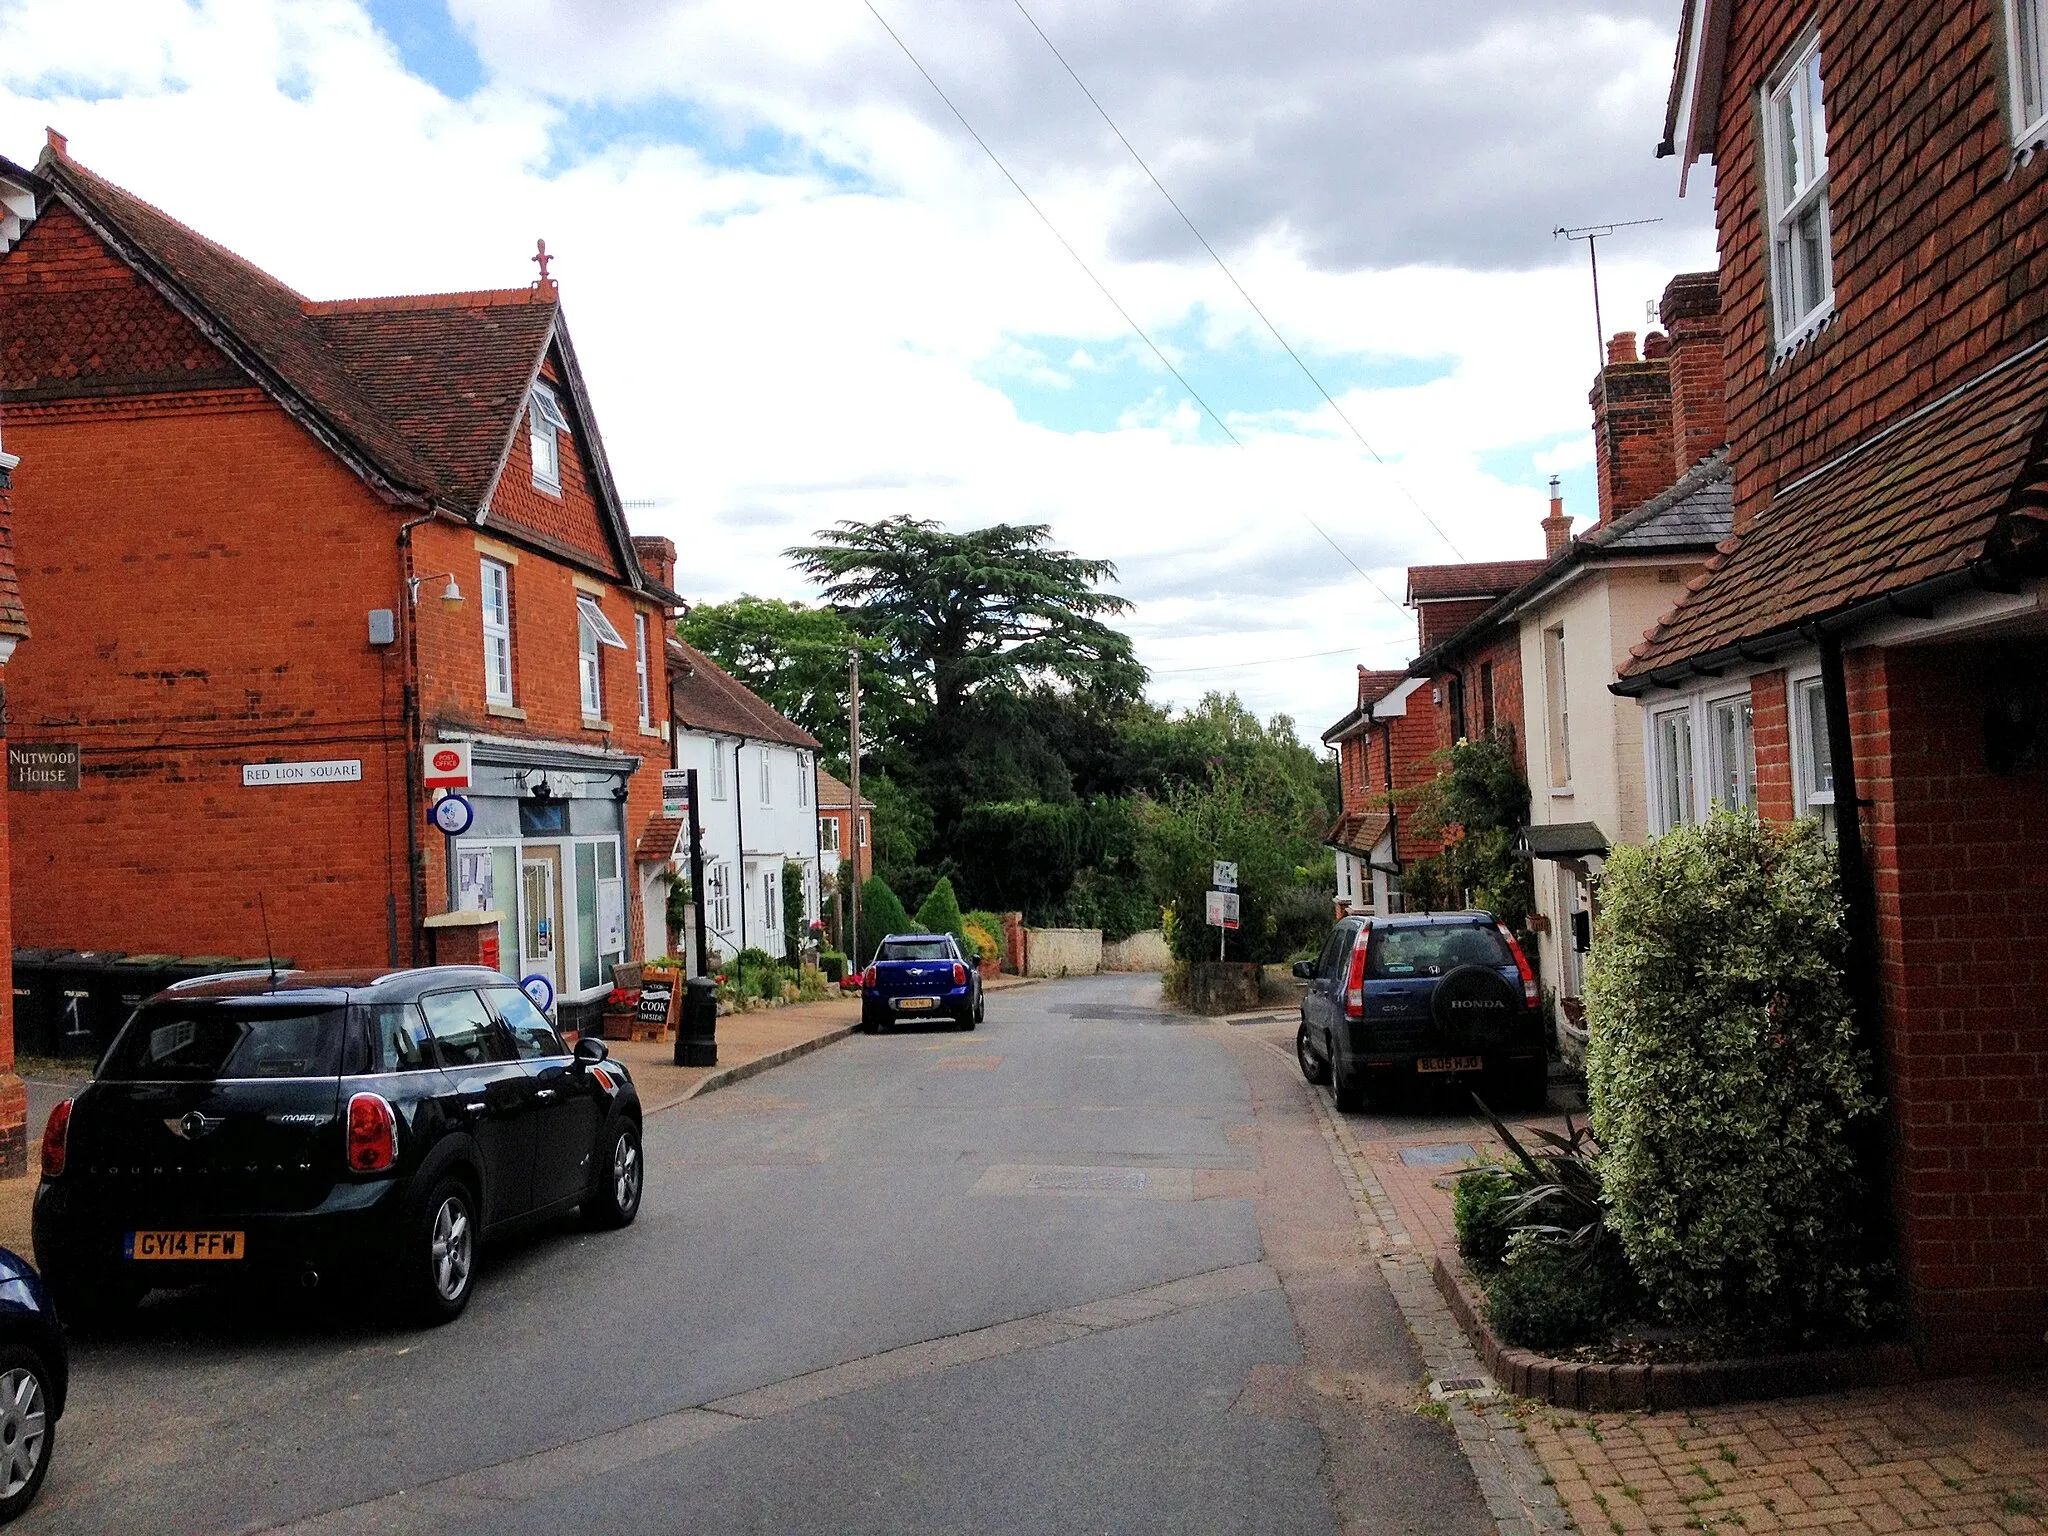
(1725, 1081)
(1479, 1206)
(881, 914)
(940, 912)
(796, 928)
(1541, 1298)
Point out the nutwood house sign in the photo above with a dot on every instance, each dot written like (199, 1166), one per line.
(42, 765)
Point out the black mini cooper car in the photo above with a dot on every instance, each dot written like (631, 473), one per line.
(306, 1124)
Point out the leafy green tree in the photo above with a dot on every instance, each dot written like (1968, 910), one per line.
(796, 658)
(958, 612)
(881, 914)
(1285, 878)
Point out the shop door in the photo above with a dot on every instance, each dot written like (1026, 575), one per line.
(540, 935)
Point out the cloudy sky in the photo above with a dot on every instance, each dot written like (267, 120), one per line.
(802, 293)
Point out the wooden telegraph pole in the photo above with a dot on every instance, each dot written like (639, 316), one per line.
(853, 778)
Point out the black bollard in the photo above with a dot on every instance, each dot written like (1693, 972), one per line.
(697, 1032)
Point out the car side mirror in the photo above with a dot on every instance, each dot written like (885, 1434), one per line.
(1304, 970)
(590, 1051)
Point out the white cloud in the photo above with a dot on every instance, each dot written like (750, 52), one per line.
(774, 345)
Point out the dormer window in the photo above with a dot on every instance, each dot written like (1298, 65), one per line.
(546, 426)
(2027, 63)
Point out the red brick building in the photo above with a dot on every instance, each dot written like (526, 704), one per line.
(1869, 645)
(1473, 664)
(1383, 747)
(17, 208)
(283, 546)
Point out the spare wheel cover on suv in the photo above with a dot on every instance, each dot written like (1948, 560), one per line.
(1474, 1007)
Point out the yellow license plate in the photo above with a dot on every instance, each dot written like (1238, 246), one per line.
(1450, 1064)
(186, 1245)
(917, 1002)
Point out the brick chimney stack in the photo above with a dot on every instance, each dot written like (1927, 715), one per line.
(1631, 402)
(657, 557)
(1691, 312)
(1557, 528)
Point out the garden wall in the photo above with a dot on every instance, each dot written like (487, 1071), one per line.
(1145, 951)
(1062, 951)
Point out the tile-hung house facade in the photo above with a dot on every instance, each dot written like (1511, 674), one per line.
(1875, 621)
(1473, 667)
(757, 781)
(283, 546)
(1383, 745)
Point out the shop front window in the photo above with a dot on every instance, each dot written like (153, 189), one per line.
(600, 913)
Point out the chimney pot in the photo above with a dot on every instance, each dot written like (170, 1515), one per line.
(1622, 347)
(1655, 345)
(1557, 528)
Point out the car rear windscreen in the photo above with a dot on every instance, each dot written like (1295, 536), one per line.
(1399, 952)
(919, 949)
(202, 1041)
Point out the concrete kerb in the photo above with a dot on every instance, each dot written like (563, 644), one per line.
(1516, 1488)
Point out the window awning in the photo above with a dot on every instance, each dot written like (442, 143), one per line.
(600, 626)
(1563, 840)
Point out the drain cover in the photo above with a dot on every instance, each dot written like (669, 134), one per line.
(1439, 1156)
(1108, 1180)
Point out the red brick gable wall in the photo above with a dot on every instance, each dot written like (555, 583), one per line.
(570, 522)
(183, 630)
(75, 319)
(1441, 618)
(1939, 268)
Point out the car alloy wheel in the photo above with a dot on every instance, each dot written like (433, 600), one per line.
(626, 1174)
(1313, 1067)
(24, 1430)
(451, 1249)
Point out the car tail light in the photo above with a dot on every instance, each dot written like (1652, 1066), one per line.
(1354, 983)
(867, 977)
(56, 1140)
(1532, 995)
(959, 974)
(372, 1134)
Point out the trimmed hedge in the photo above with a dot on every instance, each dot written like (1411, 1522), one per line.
(1725, 1081)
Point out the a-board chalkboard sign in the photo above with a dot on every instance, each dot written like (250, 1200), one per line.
(657, 1000)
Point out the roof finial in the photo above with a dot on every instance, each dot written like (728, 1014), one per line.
(57, 144)
(541, 259)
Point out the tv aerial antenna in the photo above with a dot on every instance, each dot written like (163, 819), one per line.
(1592, 235)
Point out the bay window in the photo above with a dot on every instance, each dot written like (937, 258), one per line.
(1731, 735)
(1671, 771)
(1813, 764)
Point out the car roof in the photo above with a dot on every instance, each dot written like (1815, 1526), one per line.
(331, 988)
(1472, 917)
(912, 938)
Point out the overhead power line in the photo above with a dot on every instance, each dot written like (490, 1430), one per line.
(1223, 267)
(1103, 288)
(1270, 661)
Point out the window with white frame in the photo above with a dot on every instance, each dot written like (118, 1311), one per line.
(1732, 747)
(804, 775)
(1559, 708)
(496, 582)
(1813, 764)
(861, 832)
(717, 789)
(1796, 176)
(771, 906)
(828, 833)
(640, 667)
(2026, 53)
(767, 775)
(546, 426)
(1671, 768)
(718, 895)
(593, 633)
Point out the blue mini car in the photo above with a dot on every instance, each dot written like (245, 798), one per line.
(35, 1369)
(918, 975)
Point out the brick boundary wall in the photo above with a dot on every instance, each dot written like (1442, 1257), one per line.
(1695, 1384)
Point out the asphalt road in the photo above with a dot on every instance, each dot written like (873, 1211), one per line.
(1087, 1269)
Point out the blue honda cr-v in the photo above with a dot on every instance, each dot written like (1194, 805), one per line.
(1435, 996)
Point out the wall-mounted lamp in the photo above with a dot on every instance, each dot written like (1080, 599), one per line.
(451, 595)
